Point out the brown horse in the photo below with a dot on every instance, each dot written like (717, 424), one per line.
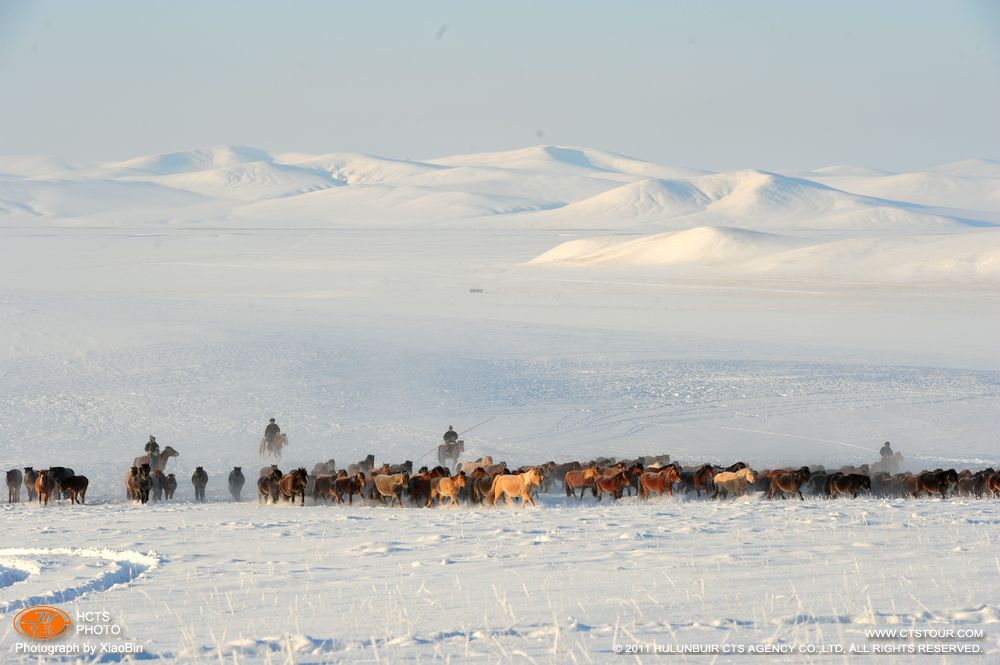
(847, 483)
(699, 480)
(611, 483)
(512, 486)
(44, 485)
(137, 483)
(790, 482)
(935, 482)
(447, 487)
(661, 482)
(391, 486)
(293, 485)
(14, 480)
(581, 479)
(77, 488)
(267, 485)
(351, 485)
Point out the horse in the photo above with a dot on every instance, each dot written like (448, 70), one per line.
(788, 482)
(698, 480)
(661, 482)
(993, 484)
(937, 482)
(273, 447)
(732, 481)
(328, 467)
(199, 479)
(161, 459)
(59, 474)
(323, 483)
(267, 484)
(405, 467)
(169, 486)
(294, 484)
(137, 483)
(365, 466)
(450, 451)
(236, 481)
(512, 486)
(14, 480)
(350, 486)
(580, 479)
(29, 482)
(847, 483)
(469, 467)
(447, 486)
(44, 484)
(392, 485)
(633, 472)
(77, 488)
(612, 483)
(156, 481)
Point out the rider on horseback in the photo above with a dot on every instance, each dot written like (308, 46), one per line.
(451, 436)
(153, 450)
(271, 431)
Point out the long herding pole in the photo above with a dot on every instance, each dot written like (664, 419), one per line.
(475, 426)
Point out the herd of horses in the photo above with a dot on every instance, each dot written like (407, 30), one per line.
(485, 482)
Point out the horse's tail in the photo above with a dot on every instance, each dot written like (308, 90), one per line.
(491, 496)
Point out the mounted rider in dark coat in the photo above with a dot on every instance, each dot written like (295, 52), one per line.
(153, 450)
(271, 431)
(451, 436)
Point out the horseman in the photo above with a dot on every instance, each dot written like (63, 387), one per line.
(271, 432)
(153, 450)
(451, 436)
(886, 452)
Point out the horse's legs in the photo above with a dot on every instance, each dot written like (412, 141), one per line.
(801, 498)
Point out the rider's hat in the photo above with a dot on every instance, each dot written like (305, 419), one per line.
(272, 420)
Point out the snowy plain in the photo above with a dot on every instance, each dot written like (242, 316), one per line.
(627, 308)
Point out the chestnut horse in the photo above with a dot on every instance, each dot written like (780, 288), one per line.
(44, 485)
(611, 483)
(293, 485)
(661, 482)
(582, 479)
(447, 486)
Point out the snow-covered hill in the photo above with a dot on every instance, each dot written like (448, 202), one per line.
(734, 217)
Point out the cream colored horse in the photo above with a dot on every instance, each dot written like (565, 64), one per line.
(511, 486)
(732, 481)
(469, 467)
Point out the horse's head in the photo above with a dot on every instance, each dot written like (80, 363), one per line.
(747, 473)
(169, 452)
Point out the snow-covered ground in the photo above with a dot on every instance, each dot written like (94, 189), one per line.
(626, 308)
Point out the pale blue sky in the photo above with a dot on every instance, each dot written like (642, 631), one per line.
(709, 84)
